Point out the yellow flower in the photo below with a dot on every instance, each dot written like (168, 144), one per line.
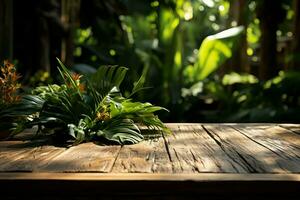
(103, 116)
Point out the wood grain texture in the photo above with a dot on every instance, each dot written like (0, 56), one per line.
(282, 143)
(12, 150)
(248, 154)
(149, 156)
(31, 159)
(292, 127)
(192, 150)
(87, 157)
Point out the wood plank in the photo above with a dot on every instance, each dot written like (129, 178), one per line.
(32, 159)
(193, 150)
(196, 123)
(278, 141)
(293, 127)
(10, 155)
(277, 131)
(12, 150)
(87, 157)
(147, 156)
(250, 155)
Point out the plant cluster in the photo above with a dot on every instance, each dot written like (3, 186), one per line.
(87, 108)
(8, 84)
(244, 98)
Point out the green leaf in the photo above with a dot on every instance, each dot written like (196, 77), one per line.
(213, 52)
(169, 21)
(67, 77)
(122, 131)
(139, 112)
(28, 105)
(127, 107)
(108, 77)
(78, 132)
(139, 85)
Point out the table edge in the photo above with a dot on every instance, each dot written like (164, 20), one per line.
(202, 177)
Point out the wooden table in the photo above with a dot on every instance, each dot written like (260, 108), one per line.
(208, 161)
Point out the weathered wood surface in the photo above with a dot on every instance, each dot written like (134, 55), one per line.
(87, 157)
(207, 161)
(192, 148)
(149, 156)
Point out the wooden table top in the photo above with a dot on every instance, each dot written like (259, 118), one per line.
(192, 148)
(197, 152)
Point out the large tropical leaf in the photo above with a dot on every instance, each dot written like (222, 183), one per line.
(66, 106)
(122, 131)
(28, 105)
(19, 116)
(128, 107)
(139, 85)
(213, 52)
(139, 112)
(108, 77)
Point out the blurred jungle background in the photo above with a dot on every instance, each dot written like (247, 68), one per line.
(204, 60)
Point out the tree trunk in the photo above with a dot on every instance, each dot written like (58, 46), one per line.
(270, 15)
(238, 13)
(268, 54)
(70, 18)
(6, 30)
(241, 63)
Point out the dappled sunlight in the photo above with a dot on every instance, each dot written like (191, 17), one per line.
(272, 155)
(159, 99)
(204, 60)
(190, 148)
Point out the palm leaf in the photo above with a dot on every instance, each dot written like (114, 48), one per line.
(139, 85)
(128, 107)
(28, 105)
(108, 77)
(139, 112)
(67, 77)
(122, 131)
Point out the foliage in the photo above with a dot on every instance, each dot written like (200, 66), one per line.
(213, 52)
(40, 78)
(8, 84)
(157, 37)
(88, 109)
(243, 98)
(9, 96)
(201, 64)
(275, 100)
(184, 49)
(235, 78)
